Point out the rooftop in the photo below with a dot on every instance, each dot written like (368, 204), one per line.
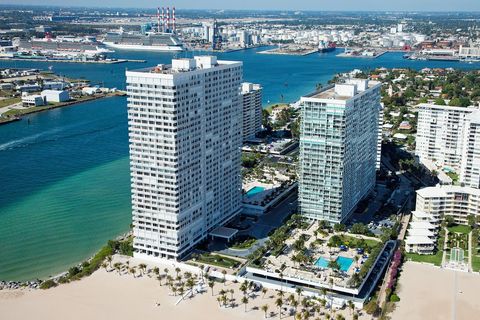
(343, 91)
(187, 65)
(419, 240)
(444, 190)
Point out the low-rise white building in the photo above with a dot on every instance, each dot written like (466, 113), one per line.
(456, 201)
(33, 100)
(56, 95)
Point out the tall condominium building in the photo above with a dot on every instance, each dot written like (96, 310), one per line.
(470, 164)
(252, 110)
(440, 134)
(338, 148)
(380, 136)
(185, 150)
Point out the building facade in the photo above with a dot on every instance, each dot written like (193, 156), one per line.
(185, 152)
(440, 134)
(456, 201)
(252, 110)
(338, 148)
(470, 164)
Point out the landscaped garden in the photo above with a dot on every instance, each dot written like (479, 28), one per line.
(436, 258)
(215, 260)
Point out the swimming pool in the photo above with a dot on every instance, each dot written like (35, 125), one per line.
(254, 191)
(343, 262)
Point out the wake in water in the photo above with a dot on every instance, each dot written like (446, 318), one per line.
(51, 135)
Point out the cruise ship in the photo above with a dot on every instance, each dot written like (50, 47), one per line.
(88, 45)
(152, 41)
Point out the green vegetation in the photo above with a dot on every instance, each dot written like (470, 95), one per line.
(460, 228)
(48, 284)
(394, 298)
(216, 260)
(352, 242)
(475, 249)
(9, 101)
(453, 176)
(245, 244)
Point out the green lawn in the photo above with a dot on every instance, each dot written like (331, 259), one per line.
(216, 260)
(460, 228)
(356, 242)
(9, 101)
(475, 262)
(436, 258)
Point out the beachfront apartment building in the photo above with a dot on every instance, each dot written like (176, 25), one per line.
(446, 200)
(440, 134)
(252, 110)
(470, 163)
(185, 133)
(338, 148)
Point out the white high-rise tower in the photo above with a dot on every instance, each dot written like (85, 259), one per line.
(185, 130)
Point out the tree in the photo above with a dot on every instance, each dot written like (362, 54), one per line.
(351, 305)
(117, 266)
(109, 259)
(279, 303)
(156, 271)
(264, 291)
(132, 270)
(471, 220)
(177, 270)
(211, 284)
(449, 221)
(371, 307)
(245, 302)
(339, 227)
(440, 102)
(224, 275)
(265, 309)
(142, 267)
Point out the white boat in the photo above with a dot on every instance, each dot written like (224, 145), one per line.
(163, 42)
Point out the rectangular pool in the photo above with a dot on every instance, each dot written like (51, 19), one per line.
(343, 262)
(254, 191)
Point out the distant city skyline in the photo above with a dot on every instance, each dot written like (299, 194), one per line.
(310, 5)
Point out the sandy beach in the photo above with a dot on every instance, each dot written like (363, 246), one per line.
(109, 295)
(428, 292)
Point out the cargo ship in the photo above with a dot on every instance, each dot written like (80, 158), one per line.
(150, 41)
(326, 46)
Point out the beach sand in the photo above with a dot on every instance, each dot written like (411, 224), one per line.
(108, 295)
(428, 292)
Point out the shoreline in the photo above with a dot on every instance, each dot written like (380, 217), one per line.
(32, 110)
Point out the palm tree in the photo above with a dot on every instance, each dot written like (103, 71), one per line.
(295, 305)
(117, 266)
(109, 260)
(224, 300)
(279, 304)
(190, 285)
(224, 274)
(211, 284)
(264, 291)
(156, 271)
(265, 309)
(174, 290)
(132, 271)
(299, 290)
(231, 293)
(142, 267)
(280, 294)
(166, 273)
(245, 302)
(351, 306)
(177, 270)
(104, 266)
(219, 300)
(180, 291)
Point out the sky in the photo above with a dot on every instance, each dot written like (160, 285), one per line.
(315, 5)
